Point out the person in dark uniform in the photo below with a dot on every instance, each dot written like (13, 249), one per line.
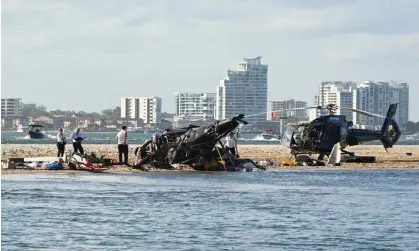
(60, 143)
(77, 138)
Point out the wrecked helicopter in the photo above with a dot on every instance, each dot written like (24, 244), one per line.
(199, 147)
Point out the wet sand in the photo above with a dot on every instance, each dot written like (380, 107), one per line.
(395, 158)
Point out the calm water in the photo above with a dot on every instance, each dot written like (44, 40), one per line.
(109, 138)
(273, 210)
(133, 138)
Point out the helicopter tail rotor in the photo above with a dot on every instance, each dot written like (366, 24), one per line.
(390, 131)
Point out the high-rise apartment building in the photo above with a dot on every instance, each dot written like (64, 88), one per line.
(291, 106)
(402, 91)
(150, 110)
(376, 97)
(11, 107)
(373, 97)
(244, 91)
(130, 108)
(339, 93)
(195, 105)
(313, 113)
(146, 108)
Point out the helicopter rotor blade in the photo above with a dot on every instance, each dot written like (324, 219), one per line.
(369, 114)
(285, 110)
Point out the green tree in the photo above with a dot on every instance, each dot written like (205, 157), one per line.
(116, 112)
(107, 113)
(27, 111)
(412, 127)
(41, 108)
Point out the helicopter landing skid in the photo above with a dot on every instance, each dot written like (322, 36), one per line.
(352, 154)
(359, 159)
(348, 157)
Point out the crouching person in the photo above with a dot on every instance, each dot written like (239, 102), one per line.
(77, 138)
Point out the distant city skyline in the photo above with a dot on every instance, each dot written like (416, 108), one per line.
(156, 48)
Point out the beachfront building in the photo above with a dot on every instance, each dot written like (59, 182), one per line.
(244, 91)
(130, 108)
(400, 93)
(195, 105)
(376, 97)
(342, 94)
(370, 96)
(11, 107)
(313, 113)
(148, 109)
(291, 106)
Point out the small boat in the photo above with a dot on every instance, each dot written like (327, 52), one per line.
(34, 131)
(268, 134)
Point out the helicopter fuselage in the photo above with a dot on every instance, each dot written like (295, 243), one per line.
(320, 135)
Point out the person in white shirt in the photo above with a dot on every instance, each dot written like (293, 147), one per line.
(122, 141)
(77, 138)
(60, 143)
(231, 143)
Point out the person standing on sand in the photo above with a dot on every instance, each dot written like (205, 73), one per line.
(122, 141)
(77, 138)
(60, 143)
(231, 143)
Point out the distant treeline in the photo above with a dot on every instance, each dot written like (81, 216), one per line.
(412, 127)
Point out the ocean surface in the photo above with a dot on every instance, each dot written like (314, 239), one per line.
(109, 138)
(9, 137)
(273, 210)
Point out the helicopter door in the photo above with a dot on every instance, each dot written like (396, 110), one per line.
(331, 136)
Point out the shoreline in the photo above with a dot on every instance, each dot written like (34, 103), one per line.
(135, 171)
(395, 158)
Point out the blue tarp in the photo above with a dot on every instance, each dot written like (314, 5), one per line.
(54, 166)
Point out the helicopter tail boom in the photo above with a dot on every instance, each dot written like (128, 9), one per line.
(390, 131)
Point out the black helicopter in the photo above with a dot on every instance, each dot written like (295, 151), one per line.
(194, 146)
(326, 134)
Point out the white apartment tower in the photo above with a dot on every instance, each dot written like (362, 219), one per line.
(150, 110)
(146, 108)
(340, 93)
(11, 107)
(244, 91)
(196, 105)
(313, 113)
(291, 106)
(376, 97)
(130, 108)
(402, 91)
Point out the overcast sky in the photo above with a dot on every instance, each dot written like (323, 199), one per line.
(87, 54)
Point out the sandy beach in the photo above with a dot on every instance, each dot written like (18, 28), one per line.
(395, 158)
